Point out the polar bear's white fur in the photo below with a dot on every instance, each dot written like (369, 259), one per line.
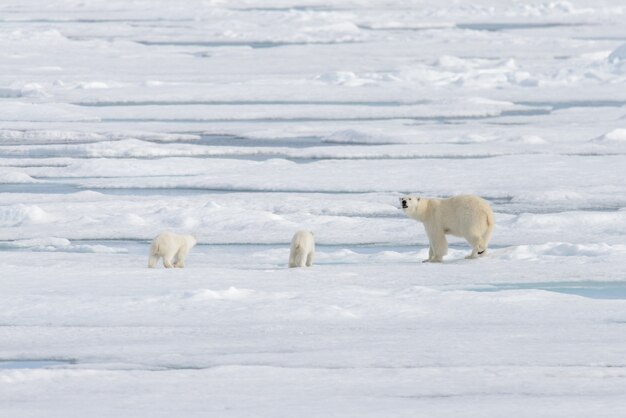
(172, 247)
(302, 249)
(465, 216)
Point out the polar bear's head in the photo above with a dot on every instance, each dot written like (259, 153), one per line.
(413, 206)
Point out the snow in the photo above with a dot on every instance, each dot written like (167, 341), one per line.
(616, 135)
(243, 123)
(619, 54)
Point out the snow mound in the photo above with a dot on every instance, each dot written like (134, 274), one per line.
(619, 54)
(16, 177)
(16, 215)
(562, 249)
(124, 148)
(87, 85)
(550, 196)
(616, 135)
(34, 90)
(344, 78)
(352, 136)
(232, 293)
(470, 139)
(528, 140)
(571, 220)
(46, 36)
(157, 136)
(58, 244)
(44, 136)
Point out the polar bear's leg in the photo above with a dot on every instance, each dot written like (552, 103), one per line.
(479, 247)
(168, 259)
(297, 256)
(479, 238)
(292, 259)
(440, 252)
(300, 258)
(153, 260)
(309, 259)
(438, 246)
(473, 254)
(181, 256)
(486, 237)
(430, 255)
(154, 255)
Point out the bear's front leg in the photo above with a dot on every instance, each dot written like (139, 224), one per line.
(430, 255)
(438, 245)
(181, 256)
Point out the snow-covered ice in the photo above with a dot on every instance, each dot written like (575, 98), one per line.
(242, 122)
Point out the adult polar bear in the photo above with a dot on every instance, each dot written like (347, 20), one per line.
(172, 247)
(465, 216)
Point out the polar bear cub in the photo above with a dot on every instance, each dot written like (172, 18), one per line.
(465, 216)
(172, 247)
(302, 249)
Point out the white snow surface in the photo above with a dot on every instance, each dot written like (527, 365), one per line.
(243, 122)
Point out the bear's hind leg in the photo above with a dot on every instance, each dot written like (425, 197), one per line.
(153, 260)
(478, 247)
(299, 259)
(309, 259)
(292, 259)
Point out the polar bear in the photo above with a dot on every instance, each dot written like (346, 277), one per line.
(465, 216)
(172, 247)
(302, 249)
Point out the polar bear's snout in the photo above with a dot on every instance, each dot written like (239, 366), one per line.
(404, 202)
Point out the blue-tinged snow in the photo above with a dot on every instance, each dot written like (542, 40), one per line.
(242, 122)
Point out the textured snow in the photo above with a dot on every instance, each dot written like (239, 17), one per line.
(619, 54)
(244, 122)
